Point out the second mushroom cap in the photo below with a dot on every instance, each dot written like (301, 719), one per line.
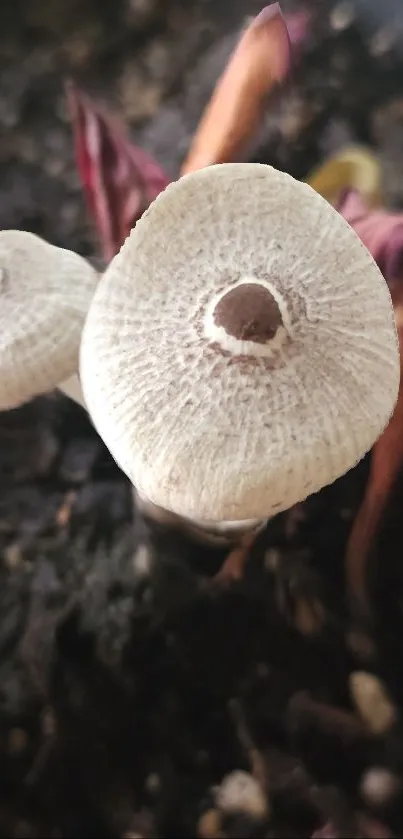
(240, 351)
(44, 296)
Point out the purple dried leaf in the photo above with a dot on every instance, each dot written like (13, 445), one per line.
(119, 179)
(380, 231)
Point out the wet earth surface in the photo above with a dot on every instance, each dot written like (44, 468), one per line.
(137, 698)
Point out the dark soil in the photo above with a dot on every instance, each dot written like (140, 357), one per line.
(130, 686)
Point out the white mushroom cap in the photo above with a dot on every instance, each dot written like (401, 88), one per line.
(45, 293)
(215, 426)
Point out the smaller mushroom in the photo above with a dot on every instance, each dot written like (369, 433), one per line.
(45, 292)
(240, 352)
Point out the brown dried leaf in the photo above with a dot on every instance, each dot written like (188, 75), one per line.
(260, 61)
(382, 233)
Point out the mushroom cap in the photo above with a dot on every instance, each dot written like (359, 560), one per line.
(240, 413)
(45, 293)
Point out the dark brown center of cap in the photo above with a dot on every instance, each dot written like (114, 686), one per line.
(249, 312)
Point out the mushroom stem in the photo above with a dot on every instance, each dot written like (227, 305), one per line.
(71, 387)
(209, 533)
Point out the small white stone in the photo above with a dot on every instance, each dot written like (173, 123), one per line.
(272, 560)
(239, 792)
(341, 16)
(371, 699)
(378, 786)
(142, 561)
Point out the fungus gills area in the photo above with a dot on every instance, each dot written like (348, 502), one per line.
(248, 312)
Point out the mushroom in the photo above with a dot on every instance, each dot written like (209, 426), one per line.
(240, 351)
(44, 297)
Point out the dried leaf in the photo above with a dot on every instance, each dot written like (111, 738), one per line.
(261, 60)
(379, 230)
(119, 179)
(386, 463)
(382, 233)
(353, 167)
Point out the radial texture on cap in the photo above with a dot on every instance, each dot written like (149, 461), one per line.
(239, 408)
(45, 292)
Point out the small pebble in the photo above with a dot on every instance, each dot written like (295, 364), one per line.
(341, 16)
(153, 783)
(382, 42)
(372, 702)
(140, 12)
(12, 556)
(240, 793)
(139, 99)
(54, 166)
(378, 786)
(142, 561)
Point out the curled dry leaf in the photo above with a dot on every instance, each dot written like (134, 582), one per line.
(261, 60)
(352, 166)
(382, 233)
(119, 179)
(351, 181)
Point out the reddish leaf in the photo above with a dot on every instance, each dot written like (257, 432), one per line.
(119, 179)
(379, 230)
(367, 828)
(261, 61)
(382, 233)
